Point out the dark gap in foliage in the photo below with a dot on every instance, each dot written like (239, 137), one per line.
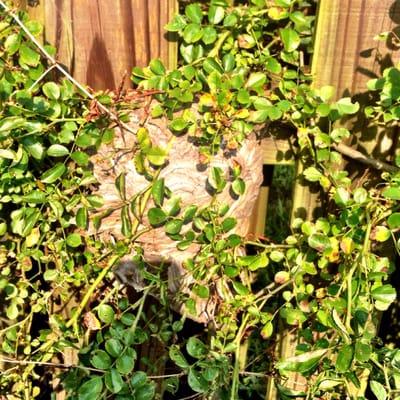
(280, 203)
(389, 329)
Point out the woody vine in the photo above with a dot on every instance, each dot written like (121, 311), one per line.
(328, 281)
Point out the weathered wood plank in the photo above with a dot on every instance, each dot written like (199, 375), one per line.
(277, 151)
(258, 218)
(346, 56)
(100, 41)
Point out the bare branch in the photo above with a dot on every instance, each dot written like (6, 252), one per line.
(362, 158)
(70, 366)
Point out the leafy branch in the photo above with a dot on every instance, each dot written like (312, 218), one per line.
(54, 64)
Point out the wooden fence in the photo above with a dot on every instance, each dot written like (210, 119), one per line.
(100, 41)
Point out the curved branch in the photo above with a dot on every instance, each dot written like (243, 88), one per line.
(362, 158)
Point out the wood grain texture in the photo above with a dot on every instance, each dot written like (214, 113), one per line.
(277, 151)
(99, 41)
(259, 216)
(347, 56)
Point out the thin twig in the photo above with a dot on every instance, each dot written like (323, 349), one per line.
(257, 374)
(74, 319)
(362, 158)
(71, 366)
(42, 76)
(55, 64)
(192, 396)
(48, 364)
(166, 376)
(270, 246)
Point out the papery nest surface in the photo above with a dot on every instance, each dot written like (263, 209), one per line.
(185, 176)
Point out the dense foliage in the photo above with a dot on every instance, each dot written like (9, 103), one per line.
(62, 308)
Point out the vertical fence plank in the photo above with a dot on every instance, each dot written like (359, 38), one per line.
(257, 228)
(347, 55)
(140, 31)
(259, 216)
(99, 41)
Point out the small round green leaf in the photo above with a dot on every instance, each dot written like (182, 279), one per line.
(105, 313)
(82, 218)
(145, 392)
(100, 359)
(74, 240)
(216, 14)
(312, 174)
(392, 193)
(378, 390)
(57, 150)
(384, 294)
(303, 362)
(114, 347)
(228, 224)
(114, 381)
(157, 66)
(91, 389)
(54, 173)
(344, 358)
(209, 35)
(394, 221)
(290, 39)
(158, 191)
(256, 80)
(156, 216)
(178, 124)
(202, 291)
(194, 13)
(173, 226)
(126, 361)
(12, 42)
(51, 90)
(197, 382)
(319, 242)
(138, 379)
(156, 155)
(345, 106)
(28, 56)
(177, 357)
(81, 158)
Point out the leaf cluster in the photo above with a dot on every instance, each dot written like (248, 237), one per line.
(328, 280)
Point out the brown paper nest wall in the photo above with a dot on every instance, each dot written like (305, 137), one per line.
(186, 177)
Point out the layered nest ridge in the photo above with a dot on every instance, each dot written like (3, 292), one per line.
(185, 176)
